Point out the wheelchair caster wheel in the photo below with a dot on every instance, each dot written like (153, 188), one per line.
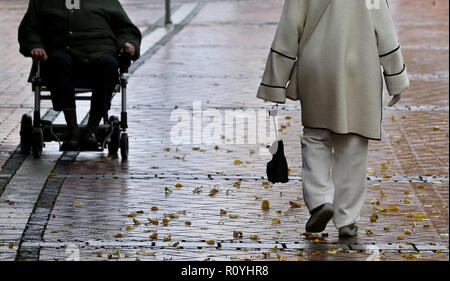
(124, 146)
(26, 133)
(37, 142)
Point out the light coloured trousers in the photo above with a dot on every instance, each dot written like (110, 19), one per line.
(335, 171)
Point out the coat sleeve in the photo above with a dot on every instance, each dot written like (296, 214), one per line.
(391, 58)
(124, 29)
(28, 35)
(283, 53)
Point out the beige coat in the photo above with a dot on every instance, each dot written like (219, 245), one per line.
(338, 77)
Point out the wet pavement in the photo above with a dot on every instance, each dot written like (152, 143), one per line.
(201, 200)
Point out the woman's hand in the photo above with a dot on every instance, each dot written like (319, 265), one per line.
(128, 47)
(39, 54)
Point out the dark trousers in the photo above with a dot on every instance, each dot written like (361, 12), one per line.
(62, 72)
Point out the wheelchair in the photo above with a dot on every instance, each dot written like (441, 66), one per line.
(111, 134)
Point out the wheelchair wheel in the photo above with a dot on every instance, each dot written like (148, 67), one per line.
(113, 146)
(26, 132)
(124, 146)
(37, 142)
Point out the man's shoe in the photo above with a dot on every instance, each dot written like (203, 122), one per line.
(72, 143)
(89, 142)
(348, 231)
(320, 217)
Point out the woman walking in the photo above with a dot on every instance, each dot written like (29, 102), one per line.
(332, 56)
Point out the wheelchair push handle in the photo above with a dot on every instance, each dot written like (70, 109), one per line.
(124, 61)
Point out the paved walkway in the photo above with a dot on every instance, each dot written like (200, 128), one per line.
(202, 201)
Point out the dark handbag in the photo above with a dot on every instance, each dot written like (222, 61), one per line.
(277, 168)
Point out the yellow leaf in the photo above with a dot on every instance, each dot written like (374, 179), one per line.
(178, 185)
(128, 227)
(373, 218)
(276, 221)
(265, 205)
(188, 223)
(232, 216)
(118, 235)
(210, 242)
(254, 237)
(237, 162)
(392, 208)
(154, 208)
(136, 222)
(153, 221)
(281, 258)
(400, 237)
(154, 236)
(213, 192)
(77, 205)
(145, 253)
(419, 216)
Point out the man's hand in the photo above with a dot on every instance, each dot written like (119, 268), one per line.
(395, 100)
(39, 54)
(128, 47)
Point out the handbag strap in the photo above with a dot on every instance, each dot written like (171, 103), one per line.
(312, 20)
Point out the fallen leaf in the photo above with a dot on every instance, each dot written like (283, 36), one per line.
(77, 205)
(373, 218)
(154, 236)
(213, 192)
(145, 253)
(237, 234)
(276, 221)
(295, 204)
(265, 205)
(118, 235)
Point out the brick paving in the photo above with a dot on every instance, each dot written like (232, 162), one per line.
(104, 204)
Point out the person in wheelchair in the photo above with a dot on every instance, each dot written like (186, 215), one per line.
(78, 43)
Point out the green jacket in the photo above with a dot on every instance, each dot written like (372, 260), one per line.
(99, 27)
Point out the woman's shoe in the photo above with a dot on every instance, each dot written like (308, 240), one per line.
(320, 217)
(348, 231)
